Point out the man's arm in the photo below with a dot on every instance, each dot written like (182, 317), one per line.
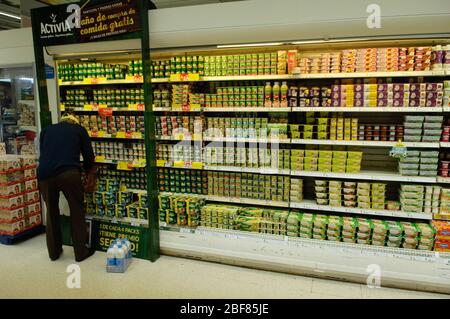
(86, 150)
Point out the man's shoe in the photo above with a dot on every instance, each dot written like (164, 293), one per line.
(90, 252)
(57, 257)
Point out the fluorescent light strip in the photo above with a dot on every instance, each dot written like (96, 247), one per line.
(10, 15)
(249, 45)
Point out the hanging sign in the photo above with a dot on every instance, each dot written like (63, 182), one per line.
(108, 19)
(105, 112)
(85, 21)
(398, 151)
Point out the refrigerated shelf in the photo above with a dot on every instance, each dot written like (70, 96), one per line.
(367, 175)
(279, 77)
(370, 109)
(364, 143)
(310, 204)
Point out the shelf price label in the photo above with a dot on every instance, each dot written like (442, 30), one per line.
(134, 78)
(137, 135)
(175, 77)
(177, 107)
(94, 80)
(160, 163)
(120, 134)
(88, 107)
(139, 163)
(195, 107)
(62, 107)
(93, 133)
(136, 107)
(100, 159)
(105, 111)
(179, 136)
(197, 165)
(124, 166)
(179, 164)
(184, 77)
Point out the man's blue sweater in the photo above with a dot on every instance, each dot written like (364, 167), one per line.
(60, 148)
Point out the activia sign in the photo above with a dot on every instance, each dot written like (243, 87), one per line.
(75, 23)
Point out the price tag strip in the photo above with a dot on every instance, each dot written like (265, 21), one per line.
(185, 77)
(134, 78)
(124, 166)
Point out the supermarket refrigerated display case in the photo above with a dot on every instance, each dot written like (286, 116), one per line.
(401, 267)
(206, 235)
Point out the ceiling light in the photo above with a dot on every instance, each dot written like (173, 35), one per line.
(249, 45)
(10, 15)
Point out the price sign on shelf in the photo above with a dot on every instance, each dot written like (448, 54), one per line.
(134, 78)
(128, 135)
(185, 77)
(140, 107)
(197, 165)
(137, 135)
(160, 163)
(94, 134)
(120, 134)
(124, 166)
(62, 107)
(179, 136)
(88, 107)
(139, 163)
(195, 107)
(100, 159)
(105, 112)
(177, 107)
(98, 80)
(175, 78)
(179, 164)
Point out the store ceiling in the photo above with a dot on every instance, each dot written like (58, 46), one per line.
(11, 8)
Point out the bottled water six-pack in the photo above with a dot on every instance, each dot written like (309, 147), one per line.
(118, 255)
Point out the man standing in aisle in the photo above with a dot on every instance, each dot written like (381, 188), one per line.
(60, 170)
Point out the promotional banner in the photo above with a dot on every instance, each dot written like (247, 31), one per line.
(86, 22)
(104, 234)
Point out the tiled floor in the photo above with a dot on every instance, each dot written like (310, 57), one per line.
(26, 272)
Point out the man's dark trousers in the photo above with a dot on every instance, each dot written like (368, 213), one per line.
(68, 182)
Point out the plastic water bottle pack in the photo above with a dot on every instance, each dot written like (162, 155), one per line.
(118, 255)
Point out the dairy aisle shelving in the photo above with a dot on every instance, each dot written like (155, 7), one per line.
(382, 174)
(170, 241)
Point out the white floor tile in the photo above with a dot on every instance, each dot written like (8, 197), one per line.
(26, 272)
